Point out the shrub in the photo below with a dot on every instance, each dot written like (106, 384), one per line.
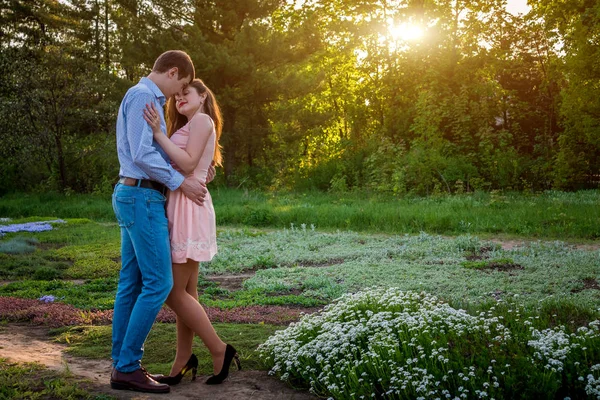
(46, 274)
(259, 217)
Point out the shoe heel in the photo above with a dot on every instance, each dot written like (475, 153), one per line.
(194, 371)
(237, 362)
(119, 386)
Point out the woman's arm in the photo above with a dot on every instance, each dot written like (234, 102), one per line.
(200, 130)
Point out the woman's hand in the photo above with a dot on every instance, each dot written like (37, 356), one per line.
(153, 119)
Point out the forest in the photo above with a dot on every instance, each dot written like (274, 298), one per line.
(405, 97)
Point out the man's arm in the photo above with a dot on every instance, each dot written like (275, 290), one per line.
(139, 136)
(148, 159)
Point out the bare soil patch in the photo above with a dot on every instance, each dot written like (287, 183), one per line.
(591, 283)
(324, 263)
(479, 254)
(503, 266)
(500, 264)
(588, 284)
(511, 244)
(292, 291)
(27, 343)
(230, 282)
(49, 246)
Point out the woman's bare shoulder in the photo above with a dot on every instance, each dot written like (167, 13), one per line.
(201, 123)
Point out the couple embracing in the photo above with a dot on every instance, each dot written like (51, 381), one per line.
(167, 220)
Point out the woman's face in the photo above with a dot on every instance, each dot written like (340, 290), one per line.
(188, 101)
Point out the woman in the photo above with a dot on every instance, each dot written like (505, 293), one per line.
(194, 128)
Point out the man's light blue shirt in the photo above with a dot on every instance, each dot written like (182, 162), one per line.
(140, 156)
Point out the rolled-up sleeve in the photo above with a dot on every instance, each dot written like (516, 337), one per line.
(139, 136)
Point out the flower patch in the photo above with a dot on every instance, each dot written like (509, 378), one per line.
(29, 227)
(389, 344)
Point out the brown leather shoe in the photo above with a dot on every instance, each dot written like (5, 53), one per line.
(157, 377)
(138, 381)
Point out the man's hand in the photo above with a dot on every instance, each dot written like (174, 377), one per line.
(193, 189)
(211, 172)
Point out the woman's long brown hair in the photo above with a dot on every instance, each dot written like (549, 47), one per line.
(175, 120)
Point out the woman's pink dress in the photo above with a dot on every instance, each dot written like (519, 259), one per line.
(192, 228)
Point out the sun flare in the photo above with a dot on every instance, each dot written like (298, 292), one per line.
(406, 32)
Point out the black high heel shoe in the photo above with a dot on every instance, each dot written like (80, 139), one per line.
(192, 365)
(230, 355)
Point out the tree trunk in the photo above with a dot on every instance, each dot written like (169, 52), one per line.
(97, 30)
(106, 41)
(61, 162)
(229, 153)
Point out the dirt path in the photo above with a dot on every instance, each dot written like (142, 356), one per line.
(26, 343)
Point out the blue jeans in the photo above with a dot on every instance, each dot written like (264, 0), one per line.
(146, 278)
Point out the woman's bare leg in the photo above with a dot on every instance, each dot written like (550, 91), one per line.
(191, 314)
(185, 339)
(185, 336)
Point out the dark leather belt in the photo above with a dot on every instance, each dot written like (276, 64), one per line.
(144, 183)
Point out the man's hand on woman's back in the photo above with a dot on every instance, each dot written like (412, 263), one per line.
(211, 172)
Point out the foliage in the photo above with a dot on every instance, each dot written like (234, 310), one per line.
(328, 95)
(391, 344)
(572, 27)
(55, 100)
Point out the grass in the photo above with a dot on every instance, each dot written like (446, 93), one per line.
(498, 263)
(78, 249)
(22, 205)
(34, 381)
(550, 215)
(18, 245)
(306, 267)
(551, 283)
(159, 348)
(242, 298)
(325, 265)
(92, 294)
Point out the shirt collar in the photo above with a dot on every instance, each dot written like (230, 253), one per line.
(157, 92)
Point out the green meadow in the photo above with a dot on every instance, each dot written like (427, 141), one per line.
(281, 250)
(549, 215)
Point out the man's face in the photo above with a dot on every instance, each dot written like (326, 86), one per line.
(182, 84)
(176, 85)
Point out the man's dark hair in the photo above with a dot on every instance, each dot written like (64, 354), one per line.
(175, 58)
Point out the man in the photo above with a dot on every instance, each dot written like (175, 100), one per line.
(139, 198)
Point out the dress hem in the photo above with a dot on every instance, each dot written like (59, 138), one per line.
(202, 258)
